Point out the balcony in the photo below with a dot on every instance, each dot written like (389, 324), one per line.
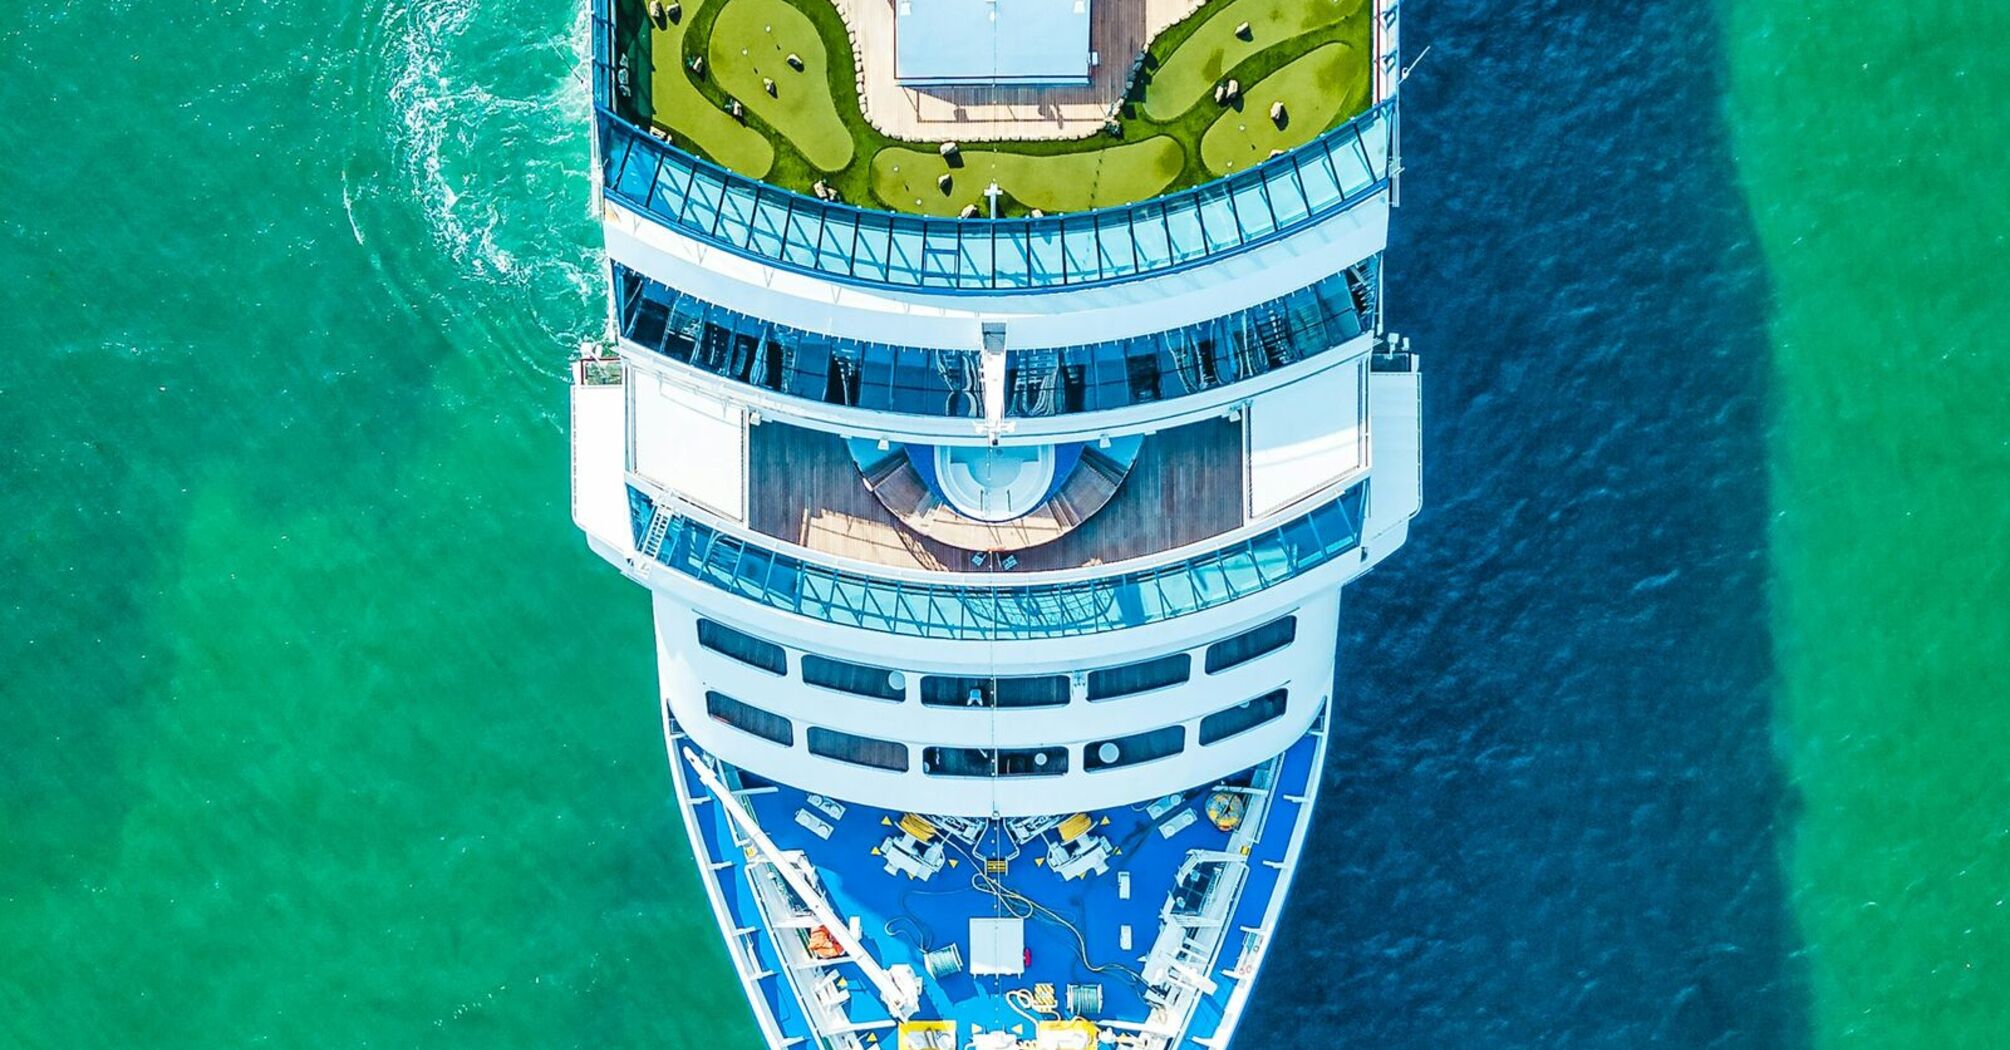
(961, 609)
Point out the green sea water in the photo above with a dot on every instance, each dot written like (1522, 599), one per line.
(1874, 148)
(322, 727)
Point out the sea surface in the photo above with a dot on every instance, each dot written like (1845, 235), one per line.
(1681, 720)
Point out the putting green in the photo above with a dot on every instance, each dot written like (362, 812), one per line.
(1240, 138)
(906, 178)
(1190, 73)
(699, 125)
(751, 42)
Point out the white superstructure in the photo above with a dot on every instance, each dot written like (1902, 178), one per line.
(1019, 589)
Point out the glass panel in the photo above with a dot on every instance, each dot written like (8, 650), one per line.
(1252, 209)
(865, 243)
(1218, 218)
(1243, 717)
(637, 179)
(875, 383)
(1176, 591)
(801, 247)
(1238, 570)
(1315, 174)
(701, 207)
(880, 683)
(1350, 163)
(973, 264)
(939, 254)
(736, 214)
(743, 647)
(1287, 198)
(1078, 243)
(904, 253)
(1110, 683)
(1148, 237)
(749, 719)
(770, 217)
(1133, 749)
(956, 691)
(1012, 263)
(858, 750)
(1043, 249)
(984, 762)
(1184, 233)
(1375, 141)
(1247, 646)
(1273, 562)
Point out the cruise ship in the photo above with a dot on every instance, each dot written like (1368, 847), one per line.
(995, 551)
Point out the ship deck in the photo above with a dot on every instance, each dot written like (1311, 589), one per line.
(1186, 486)
(1076, 929)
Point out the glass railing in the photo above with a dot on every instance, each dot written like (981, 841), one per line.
(843, 242)
(1090, 377)
(969, 611)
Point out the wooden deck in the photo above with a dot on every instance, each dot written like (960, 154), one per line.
(1185, 487)
(1118, 30)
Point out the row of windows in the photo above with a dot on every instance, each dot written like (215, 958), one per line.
(1247, 646)
(1115, 753)
(738, 645)
(1033, 691)
(858, 679)
(1086, 378)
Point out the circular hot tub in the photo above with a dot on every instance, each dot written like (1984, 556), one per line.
(992, 483)
(975, 498)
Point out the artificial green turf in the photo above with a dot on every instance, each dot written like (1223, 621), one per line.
(804, 144)
(694, 122)
(1190, 72)
(751, 41)
(905, 178)
(1244, 136)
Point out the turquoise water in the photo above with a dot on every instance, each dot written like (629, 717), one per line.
(1872, 141)
(324, 729)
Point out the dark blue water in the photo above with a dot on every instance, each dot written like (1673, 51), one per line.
(1552, 814)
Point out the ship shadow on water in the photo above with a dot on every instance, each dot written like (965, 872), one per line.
(1552, 814)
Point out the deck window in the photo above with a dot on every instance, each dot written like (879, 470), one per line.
(858, 750)
(750, 719)
(1338, 169)
(987, 762)
(1037, 691)
(850, 599)
(878, 683)
(1141, 677)
(1247, 646)
(1087, 377)
(746, 648)
(1133, 749)
(1243, 717)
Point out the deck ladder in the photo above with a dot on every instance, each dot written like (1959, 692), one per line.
(652, 539)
